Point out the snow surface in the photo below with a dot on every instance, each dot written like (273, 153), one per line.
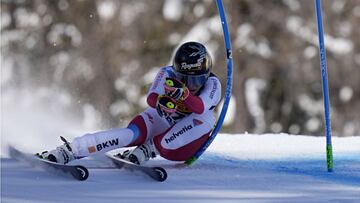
(236, 168)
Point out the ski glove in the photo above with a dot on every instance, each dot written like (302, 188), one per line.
(165, 105)
(176, 89)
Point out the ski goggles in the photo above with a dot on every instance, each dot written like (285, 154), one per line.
(192, 82)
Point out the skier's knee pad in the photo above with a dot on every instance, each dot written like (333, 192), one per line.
(138, 126)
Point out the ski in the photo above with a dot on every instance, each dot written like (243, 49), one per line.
(76, 171)
(156, 173)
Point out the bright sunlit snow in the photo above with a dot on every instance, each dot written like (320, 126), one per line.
(236, 168)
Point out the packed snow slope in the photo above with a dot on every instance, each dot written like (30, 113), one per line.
(236, 168)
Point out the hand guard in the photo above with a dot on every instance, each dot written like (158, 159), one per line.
(165, 105)
(176, 89)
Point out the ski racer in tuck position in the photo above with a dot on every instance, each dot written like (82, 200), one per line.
(178, 122)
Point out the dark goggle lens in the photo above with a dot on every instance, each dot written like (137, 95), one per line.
(193, 82)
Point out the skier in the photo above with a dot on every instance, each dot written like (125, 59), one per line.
(178, 122)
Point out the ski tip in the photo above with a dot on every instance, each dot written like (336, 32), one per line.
(10, 148)
(12, 151)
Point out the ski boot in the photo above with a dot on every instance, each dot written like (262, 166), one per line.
(140, 154)
(62, 154)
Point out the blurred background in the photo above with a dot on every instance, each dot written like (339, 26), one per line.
(95, 59)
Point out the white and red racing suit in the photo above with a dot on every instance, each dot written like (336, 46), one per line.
(176, 136)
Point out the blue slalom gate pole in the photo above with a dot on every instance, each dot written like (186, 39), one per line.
(325, 88)
(228, 84)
